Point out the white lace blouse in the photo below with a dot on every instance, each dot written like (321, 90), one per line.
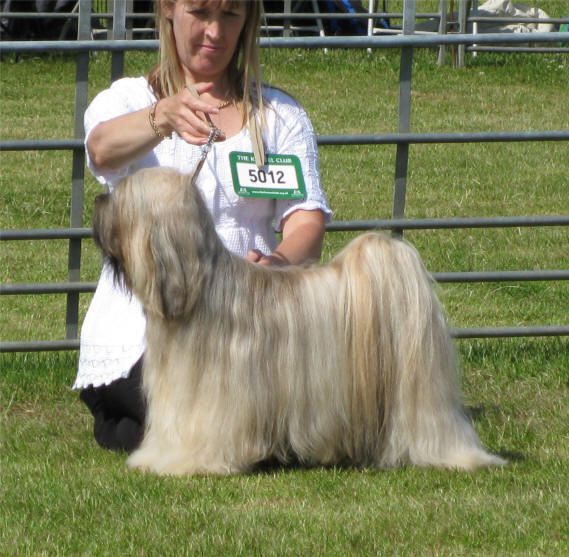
(112, 335)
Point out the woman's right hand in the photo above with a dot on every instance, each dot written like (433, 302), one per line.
(183, 113)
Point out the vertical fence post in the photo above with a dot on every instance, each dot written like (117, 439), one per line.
(371, 10)
(463, 9)
(287, 22)
(442, 31)
(474, 12)
(119, 33)
(78, 170)
(402, 154)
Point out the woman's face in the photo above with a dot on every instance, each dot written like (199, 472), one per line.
(206, 35)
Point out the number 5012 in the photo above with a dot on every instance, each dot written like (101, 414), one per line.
(258, 175)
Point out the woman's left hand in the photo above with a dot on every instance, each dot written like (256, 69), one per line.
(257, 256)
(303, 235)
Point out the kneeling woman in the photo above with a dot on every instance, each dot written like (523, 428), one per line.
(209, 47)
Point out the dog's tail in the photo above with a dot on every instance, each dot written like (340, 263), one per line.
(402, 362)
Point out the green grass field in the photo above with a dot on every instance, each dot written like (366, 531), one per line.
(61, 495)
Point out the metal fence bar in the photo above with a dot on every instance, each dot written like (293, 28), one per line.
(415, 41)
(462, 333)
(519, 49)
(47, 288)
(40, 144)
(78, 171)
(361, 139)
(454, 137)
(448, 223)
(46, 234)
(445, 277)
(503, 332)
(292, 16)
(404, 123)
(335, 226)
(501, 276)
(119, 33)
(71, 15)
(442, 31)
(39, 345)
(359, 42)
(506, 19)
(462, 16)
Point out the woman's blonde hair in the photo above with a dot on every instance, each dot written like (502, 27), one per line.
(244, 71)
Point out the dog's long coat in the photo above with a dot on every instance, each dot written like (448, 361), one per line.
(346, 363)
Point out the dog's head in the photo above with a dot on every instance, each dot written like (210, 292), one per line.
(158, 236)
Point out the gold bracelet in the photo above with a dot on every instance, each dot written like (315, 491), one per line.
(152, 120)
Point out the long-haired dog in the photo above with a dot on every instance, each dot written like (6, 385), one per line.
(348, 363)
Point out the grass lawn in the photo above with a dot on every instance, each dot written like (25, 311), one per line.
(61, 495)
(64, 496)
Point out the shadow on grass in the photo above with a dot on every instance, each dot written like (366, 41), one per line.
(476, 413)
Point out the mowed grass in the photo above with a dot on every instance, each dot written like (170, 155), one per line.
(64, 496)
(61, 495)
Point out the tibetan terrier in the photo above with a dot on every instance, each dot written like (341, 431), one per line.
(348, 363)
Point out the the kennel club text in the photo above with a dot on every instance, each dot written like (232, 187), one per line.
(281, 176)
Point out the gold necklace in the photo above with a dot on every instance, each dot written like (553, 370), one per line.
(224, 104)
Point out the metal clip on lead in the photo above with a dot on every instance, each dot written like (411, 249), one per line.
(214, 133)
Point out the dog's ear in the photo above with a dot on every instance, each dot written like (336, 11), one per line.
(101, 234)
(177, 276)
(183, 245)
(106, 234)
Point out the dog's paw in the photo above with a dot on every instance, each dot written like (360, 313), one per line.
(143, 459)
(473, 459)
(467, 459)
(179, 463)
(184, 464)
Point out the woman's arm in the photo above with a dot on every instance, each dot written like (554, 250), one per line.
(117, 142)
(290, 131)
(303, 235)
